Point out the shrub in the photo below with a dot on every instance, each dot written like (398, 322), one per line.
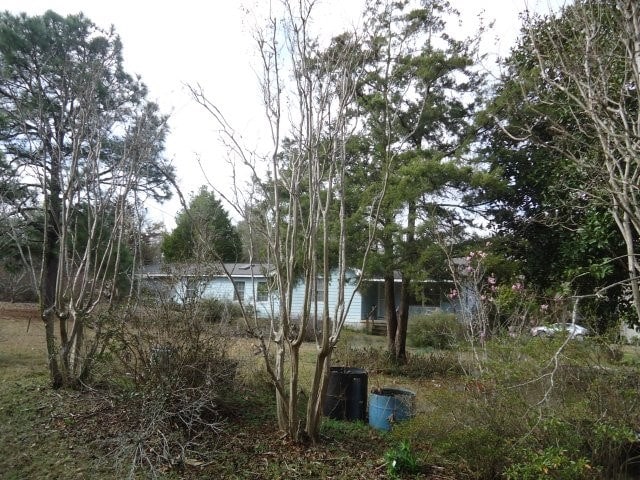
(468, 430)
(174, 371)
(610, 446)
(417, 365)
(514, 307)
(311, 330)
(552, 462)
(434, 364)
(373, 359)
(213, 310)
(521, 415)
(438, 330)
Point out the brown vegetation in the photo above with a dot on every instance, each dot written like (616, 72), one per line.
(469, 424)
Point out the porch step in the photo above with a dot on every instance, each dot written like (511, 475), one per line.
(378, 328)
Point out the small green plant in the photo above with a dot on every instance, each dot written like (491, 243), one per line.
(445, 363)
(610, 446)
(401, 459)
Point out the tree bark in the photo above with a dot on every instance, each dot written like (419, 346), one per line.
(317, 394)
(403, 321)
(624, 225)
(49, 280)
(390, 313)
(282, 411)
(410, 254)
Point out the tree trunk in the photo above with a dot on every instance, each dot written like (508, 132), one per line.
(403, 321)
(293, 429)
(410, 255)
(281, 401)
(317, 395)
(76, 345)
(624, 225)
(49, 278)
(390, 313)
(52, 358)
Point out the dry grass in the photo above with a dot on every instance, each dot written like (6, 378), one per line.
(22, 340)
(71, 434)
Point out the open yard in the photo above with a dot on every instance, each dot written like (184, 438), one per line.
(505, 411)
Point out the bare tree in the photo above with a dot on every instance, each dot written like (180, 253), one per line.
(82, 137)
(295, 206)
(590, 54)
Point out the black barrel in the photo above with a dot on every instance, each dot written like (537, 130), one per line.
(346, 397)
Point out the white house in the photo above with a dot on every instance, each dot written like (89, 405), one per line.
(630, 334)
(252, 283)
(354, 314)
(229, 281)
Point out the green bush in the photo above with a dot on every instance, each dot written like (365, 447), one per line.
(610, 446)
(469, 429)
(434, 364)
(441, 331)
(418, 365)
(530, 410)
(514, 307)
(550, 463)
(213, 310)
(374, 359)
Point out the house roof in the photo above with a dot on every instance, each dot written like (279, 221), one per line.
(397, 278)
(236, 270)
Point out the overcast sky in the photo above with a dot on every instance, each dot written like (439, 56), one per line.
(171, 43)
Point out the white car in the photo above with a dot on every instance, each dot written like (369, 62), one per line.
(571, 329)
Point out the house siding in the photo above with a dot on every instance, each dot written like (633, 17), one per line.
(353, 316)
(221, 288)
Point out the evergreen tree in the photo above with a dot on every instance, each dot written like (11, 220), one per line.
(203, 232)
(417, 99)
(82, 137)
(553, 210)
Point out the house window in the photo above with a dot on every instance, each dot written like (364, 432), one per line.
(263, 292)
(238, 291)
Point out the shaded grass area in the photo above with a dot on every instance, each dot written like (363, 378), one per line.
(33, 417)
(34, 426)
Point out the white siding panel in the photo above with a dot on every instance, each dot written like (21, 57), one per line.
(297, 300)
(219, 288)
(353, 316)
(222, 289)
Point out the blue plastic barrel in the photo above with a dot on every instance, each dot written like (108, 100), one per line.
(390, 405)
